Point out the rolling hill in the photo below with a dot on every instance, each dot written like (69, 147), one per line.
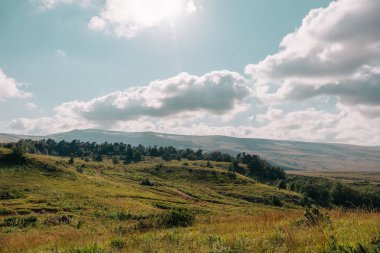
(49, 204)
(291, 155)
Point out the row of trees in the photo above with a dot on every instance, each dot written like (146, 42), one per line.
(326, 192)
(246, 164)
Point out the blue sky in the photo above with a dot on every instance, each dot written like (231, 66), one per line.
(93, 63)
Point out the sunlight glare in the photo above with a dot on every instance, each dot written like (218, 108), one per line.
(151, 12)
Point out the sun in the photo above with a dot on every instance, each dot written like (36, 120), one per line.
(151, 12)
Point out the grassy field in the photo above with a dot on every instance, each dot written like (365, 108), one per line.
(49, 205)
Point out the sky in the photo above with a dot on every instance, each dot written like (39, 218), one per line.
(289, 70)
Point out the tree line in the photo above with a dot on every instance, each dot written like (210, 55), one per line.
(246, 164)
(328, 193)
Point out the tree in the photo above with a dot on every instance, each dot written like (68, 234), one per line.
(18, 154)
(115, 160)
(98, 158)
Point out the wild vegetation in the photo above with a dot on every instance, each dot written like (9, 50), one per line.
(96, 203)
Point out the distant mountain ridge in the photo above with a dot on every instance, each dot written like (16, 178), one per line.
(291, 155)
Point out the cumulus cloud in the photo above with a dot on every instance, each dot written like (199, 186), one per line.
(9, 88)
(216, 93)
(336, 52)
(127, 18)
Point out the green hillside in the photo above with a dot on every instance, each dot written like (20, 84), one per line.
(49, 204)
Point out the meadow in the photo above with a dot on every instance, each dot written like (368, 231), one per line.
(52, 204)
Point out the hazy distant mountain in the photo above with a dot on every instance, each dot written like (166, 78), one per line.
(4, 138)
(290, 155)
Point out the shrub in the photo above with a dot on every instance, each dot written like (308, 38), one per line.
(80, 169)
(5, 212)
(176, 218)
(313, 216)
(231, 175)
(58, 220)
(122, 216)
(276, 201)
(118, 243)
(19, 222)
(94, 248)
(336, 247)
(147, 182)
(9, 195)
(115, 160)
(18, 154)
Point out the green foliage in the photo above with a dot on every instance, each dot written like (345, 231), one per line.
(80, 168)
(18, 153)
(115, 160)
(335, 247)
(58, 220)
(10, 195)
(98, 158)
(313, 216)
(147, 182)
(327, 193)
(276, 201)
(256, 167)
(118, 243)
(260, 168)
(281, 184)
(6, 211)
(19, 221)
(93, 248)
(176, 218)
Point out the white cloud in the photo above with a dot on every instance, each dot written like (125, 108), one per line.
(60, 53)
(9, 88)
(31, 106)
(216, 93)
(49, 4)
(335, 52)
(127, 18)
(271, 115)
(191, 7)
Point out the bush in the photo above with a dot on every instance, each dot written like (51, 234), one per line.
(58, 220)
(313, 216)
(147, 182)
(118, 243)
(17, 156)
(5, 212)
(80, 168)
(115, 160)
(276, 201)
(176, 218)
(19, 222)
(88, 249)
(122, 216)
(9, 195)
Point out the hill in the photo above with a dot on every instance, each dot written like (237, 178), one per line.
(290, 155)
(52, 204)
